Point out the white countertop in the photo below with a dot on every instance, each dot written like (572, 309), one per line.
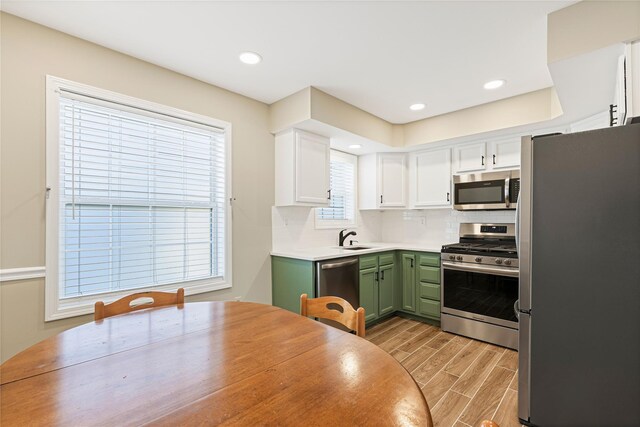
(329, 252)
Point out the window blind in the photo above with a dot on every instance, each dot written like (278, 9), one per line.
(342, 184)
(142, 199)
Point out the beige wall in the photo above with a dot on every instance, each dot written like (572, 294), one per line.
(311, 103)
(528, 108)
(295, 108)
(335, 112)
(28, 53)
(591, 25)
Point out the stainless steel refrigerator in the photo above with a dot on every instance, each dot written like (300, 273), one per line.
(579, 302)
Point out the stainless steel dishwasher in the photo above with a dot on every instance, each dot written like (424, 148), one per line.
(339, 277)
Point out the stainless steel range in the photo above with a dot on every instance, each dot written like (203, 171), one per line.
(480, 284)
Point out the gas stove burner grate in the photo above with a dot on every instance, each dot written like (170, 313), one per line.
(481, 248)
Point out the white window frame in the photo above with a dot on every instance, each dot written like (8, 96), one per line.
(335, 223)
(57, 308)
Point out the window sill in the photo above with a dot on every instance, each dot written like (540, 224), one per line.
(338, 225)
(79, 306)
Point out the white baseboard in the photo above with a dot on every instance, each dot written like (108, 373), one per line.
(11, 274)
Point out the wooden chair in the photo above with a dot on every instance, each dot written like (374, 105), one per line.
(126, 304)
(321, 307)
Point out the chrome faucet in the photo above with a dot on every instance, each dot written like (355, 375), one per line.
(343, 237)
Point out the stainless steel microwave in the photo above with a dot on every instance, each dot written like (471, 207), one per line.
(486, 191)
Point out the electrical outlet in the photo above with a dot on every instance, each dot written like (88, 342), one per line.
(237, 298)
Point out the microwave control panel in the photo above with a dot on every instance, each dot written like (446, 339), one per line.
(514, 190)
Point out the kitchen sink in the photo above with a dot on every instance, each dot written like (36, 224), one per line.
(355, 248)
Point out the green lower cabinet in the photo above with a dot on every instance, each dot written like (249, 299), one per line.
(291, 278)
(408, 282)
(412, 285)
(386, 289)
(377, 285)
(368, 293)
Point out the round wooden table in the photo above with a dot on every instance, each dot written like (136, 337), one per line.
(208, 363)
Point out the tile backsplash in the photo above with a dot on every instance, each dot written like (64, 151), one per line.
(294, 227)
(434, 225)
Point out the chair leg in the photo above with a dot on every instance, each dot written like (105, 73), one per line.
(303, 305)
(360, 315)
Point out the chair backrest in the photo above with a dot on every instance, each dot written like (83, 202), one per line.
(334, 308)
(127, 304)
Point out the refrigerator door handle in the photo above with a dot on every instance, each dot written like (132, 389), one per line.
(524, 366)
(518, 225)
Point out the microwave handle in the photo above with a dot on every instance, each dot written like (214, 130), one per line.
(507, 183)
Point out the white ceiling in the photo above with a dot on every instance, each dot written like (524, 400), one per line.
(379, 56)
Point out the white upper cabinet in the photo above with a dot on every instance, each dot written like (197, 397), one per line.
(470, 157)
(505, 154)
(430, 178)
(382, 180)
(480, 157)
(302, 169)
(392, 179)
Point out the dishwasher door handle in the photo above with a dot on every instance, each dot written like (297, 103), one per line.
(338, 264)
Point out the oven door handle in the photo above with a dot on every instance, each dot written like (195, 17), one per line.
(480, 269)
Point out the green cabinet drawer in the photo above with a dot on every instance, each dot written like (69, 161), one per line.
(429, 274)
(430, 308)
(385, 259)
(430, 291)
(430, 259)
(368, 261)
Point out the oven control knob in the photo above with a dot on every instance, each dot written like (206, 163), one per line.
(459, 257)
(478, 259)
(498, 261)
(452, 257)
(507, 262)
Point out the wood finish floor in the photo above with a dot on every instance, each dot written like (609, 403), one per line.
(464, 381)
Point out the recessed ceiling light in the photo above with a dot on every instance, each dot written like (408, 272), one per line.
(494, 84)
(355, 146)
(250, 58)
(417, 107)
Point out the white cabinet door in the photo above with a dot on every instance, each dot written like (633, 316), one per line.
(392, 171)
(312, 169)
(470, 157)
(431, 178)
(505, 154)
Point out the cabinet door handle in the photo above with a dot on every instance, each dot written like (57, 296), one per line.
(448, 197)
(377, 275)
(329, 196)
(494, 159)
(411, 262)
(482, 160)
(382, 275)
(381, 199)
